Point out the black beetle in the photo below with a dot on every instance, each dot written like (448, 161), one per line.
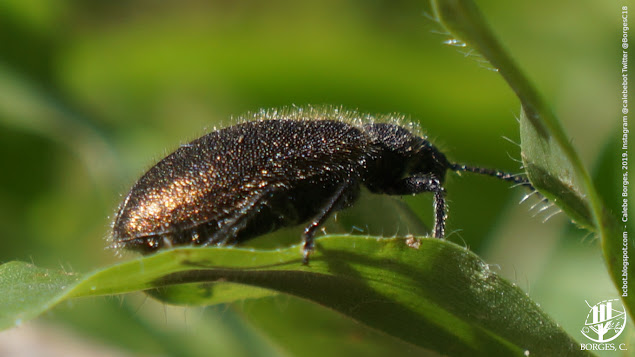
(280, 168)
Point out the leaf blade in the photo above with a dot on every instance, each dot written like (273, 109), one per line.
(439, 297)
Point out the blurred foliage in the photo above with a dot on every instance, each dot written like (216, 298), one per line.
(92, 93)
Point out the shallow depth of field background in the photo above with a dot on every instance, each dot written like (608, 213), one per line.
(93, 93)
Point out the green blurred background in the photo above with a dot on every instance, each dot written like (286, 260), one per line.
(92, 93)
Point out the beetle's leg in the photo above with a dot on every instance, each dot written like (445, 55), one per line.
(235, 223)
(331, 205)
(424, 183)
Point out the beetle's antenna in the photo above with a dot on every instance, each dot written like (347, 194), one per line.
(495, 173)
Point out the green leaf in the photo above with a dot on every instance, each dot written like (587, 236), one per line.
(26, 291)
(439, 296)
(552, 164)
(553, 174)
(296, 330)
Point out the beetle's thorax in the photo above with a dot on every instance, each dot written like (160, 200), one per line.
(398, 153)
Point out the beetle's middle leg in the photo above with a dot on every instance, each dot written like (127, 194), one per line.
(335, 202)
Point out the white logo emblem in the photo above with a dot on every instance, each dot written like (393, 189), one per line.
(605, 322)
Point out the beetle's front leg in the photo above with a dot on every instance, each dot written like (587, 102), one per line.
(424, 183)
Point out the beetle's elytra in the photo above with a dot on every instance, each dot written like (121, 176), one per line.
(280, 168)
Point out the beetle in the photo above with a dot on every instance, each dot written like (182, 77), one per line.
(280, 168)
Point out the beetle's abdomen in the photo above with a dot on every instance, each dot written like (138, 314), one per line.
(247, 178)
